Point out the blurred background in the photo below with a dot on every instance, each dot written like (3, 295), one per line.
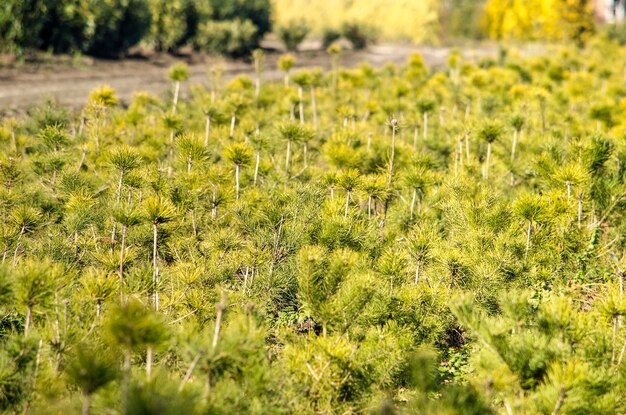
(115, 28)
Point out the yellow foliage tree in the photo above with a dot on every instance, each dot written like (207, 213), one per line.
(415, 20)
(540, 19)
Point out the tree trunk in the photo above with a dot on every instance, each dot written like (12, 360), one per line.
(176, 92)
(126, 381)
(17, 245)
(304, 153)
(314, 107)
(288, 154)
(530, 228)
(580, 209)
(425, 126)
(300, 105)
(256, 167)
(29, 315)
(155, 276)
(347, 204)
(86, 404)
(123, 248)
(82, 159)
(118, 197)
(207, 130)
(97, 133)
(393, 154)
(417, 273)
(237, 181)
(413, 202)
(218, 321)
(149, 363)
(233, 120)
(420, 197)
(488, 161)
(515, 133)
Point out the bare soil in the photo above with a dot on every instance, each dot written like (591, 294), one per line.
(68, 81)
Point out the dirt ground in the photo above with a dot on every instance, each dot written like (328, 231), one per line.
(69, 81)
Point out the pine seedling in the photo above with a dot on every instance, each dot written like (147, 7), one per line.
(216, 73)
(258, 57)
(54, 137)
(35, 286)
(124, 159)
(290, 132)
(349, 180)
(517, 122)
(127, 217)
(419, 244)
(302, 80)
(174, 124)
(425, 106)
(191, 150)
(236, 105)
(374, 188)
(259, 142)
(90, 370)
(395, 125)
(133, 327)
(285, 63)
(334, 51)
(489, 132)
(316, 79)
(99, 287)
(240, 155)
(210, 114)
(158, 211)
(530, 208)
(100, 100)
(26, 219)
(330, 180)
(418, 179)
(177, 73)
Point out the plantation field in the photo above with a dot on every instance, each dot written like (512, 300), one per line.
(69, 82)
(428, 237)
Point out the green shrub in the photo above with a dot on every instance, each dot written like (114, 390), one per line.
(168, 26)
(234, 38)
(66, 26)
(329, 36)
(359, 35)
(293, 34)
(15, 17)
(118, 25)
(256, 11)
(461, 19)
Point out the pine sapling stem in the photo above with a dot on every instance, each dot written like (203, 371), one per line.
(207, 130)
(256, 166)
(237, 167)
(176, 92)
(300, 105)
